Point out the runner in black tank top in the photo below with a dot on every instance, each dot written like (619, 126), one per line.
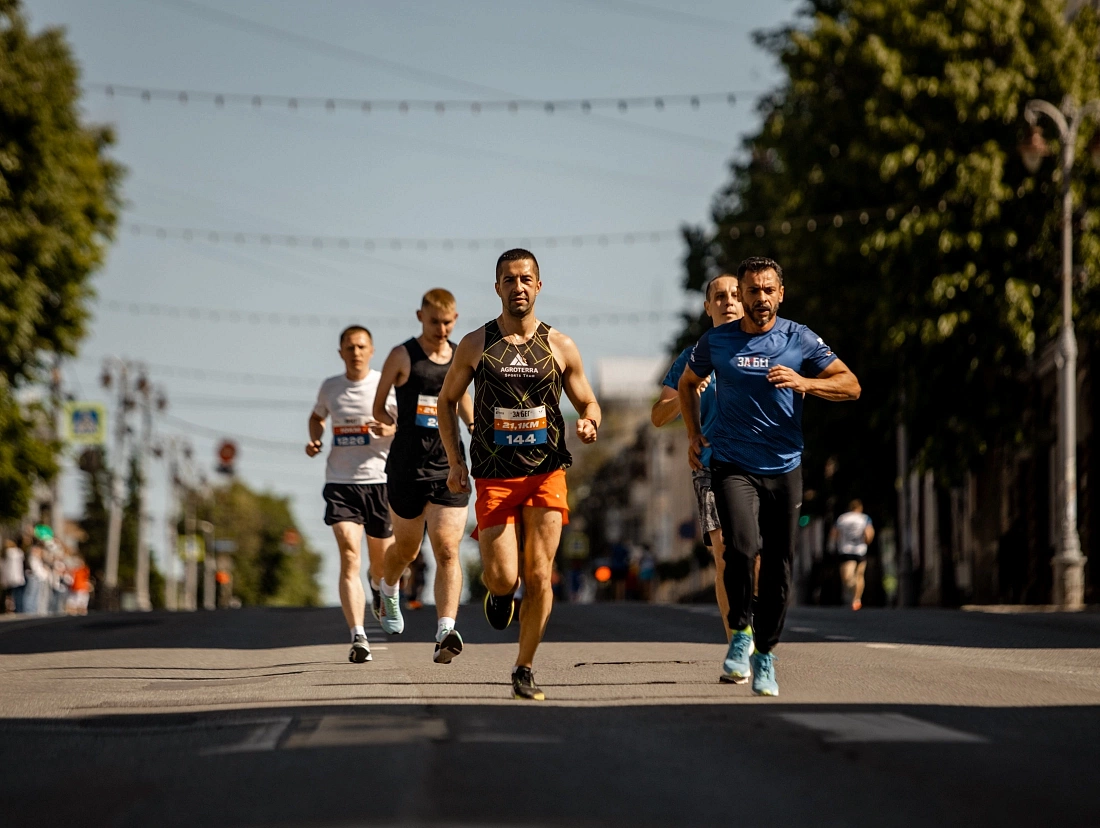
(518, 427)
(520, 367)
(417, 473)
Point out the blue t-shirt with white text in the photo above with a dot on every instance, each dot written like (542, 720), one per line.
(758, 426)
(708, 408)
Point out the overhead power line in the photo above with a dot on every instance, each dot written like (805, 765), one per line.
(217, 374)
(760, 227)
(243, 439)
(367, 106)
(235, 316)
(306, 240)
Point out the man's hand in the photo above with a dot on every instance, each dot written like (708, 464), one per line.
(783, 377)
(382, 429)
(458, 478)
(586, 429)
(695, 451)
(703, 385)
(314, 447)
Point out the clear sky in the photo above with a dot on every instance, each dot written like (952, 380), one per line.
(384, 174)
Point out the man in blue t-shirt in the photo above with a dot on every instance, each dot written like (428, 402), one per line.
(763, 368)
(721, 305)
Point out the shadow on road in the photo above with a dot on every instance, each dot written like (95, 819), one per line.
(267, 628)
(770, 764)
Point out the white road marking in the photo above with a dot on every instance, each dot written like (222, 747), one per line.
(508, 739)
(883, 646)
(839, 638)
(261, 740)
(878, 727)
(804, 629)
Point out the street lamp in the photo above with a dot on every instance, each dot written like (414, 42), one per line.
(1069, 563)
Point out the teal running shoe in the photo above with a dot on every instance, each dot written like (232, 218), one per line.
(763, 675)
(391, 619)
(736, 669)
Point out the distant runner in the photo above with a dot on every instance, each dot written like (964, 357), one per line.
(757, 454)
(520, 366)
(851, 536)
(417, 470)
(355, 475)
(722, 306)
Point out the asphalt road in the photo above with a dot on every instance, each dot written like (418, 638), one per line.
(254, 717)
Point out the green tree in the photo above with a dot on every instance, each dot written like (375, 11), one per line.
(59, 199)
(266, 570)
(931, 264)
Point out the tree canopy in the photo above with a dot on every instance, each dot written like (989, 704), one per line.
(59, 197)
(885, 179)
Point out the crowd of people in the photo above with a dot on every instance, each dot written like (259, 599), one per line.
(43, 579)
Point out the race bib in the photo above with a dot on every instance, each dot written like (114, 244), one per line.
(350, 434)
(519, 426)
(426, 411)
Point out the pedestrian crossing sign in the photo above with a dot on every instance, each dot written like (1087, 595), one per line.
(85, 423)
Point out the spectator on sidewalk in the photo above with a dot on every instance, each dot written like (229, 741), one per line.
(81, 588)
(850, 536)
(60, 580)
(37, 595)
(12, 578)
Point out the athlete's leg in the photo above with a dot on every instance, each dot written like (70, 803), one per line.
(779, 505)
(860, 567)
(377, 549)
(718, 549)
(500, 558)
(446, 525)
(848, 578)
(541, 535)
(408, 534)
(738, 503)
(349, 538)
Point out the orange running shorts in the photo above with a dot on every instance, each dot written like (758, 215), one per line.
(500, 500)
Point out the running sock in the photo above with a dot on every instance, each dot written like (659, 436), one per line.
(374, 584)
(445, 623)
(358, 631)
(387, 590)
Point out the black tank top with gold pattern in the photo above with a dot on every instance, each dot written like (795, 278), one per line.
(518, 427)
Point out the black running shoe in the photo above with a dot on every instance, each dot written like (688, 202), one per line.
(360, 650)
(448, 647)
(499, 610)
(524, 687)
(376, 603)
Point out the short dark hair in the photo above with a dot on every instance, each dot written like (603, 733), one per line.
(352, 329)
(758, 264)
(517, 254)
(710, 284)
(856, 505)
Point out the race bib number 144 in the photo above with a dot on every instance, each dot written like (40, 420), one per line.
(519, 426)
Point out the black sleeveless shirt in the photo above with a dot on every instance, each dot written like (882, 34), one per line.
(518, 426)
(417, 452)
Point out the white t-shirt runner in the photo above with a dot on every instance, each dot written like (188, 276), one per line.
(355, 455)
(850, 529)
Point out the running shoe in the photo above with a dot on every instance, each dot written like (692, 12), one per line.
(524, 687)
(763, 675)
(391, 619)
(499, 610)
(376, 603)
(360, 650)
(736, 669)
(448, 645)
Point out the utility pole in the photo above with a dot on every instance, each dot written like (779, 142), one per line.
(904, 540)
(209, 567)
(118, 461)
(141, 576)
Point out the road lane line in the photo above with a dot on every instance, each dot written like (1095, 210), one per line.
(262, 739)
(878, 727)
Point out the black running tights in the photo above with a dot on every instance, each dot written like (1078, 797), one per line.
(759, 514)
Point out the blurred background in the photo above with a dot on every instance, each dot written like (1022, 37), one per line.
(198, 196)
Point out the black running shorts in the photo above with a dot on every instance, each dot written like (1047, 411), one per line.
(362, 503)
(409, 498)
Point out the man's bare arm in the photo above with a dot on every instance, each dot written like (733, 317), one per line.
(667, 407)
(577, 388)
(395, 372)
(836, 383)
(466, 410)
(688, 392)
(458, 379)
(316, 433)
